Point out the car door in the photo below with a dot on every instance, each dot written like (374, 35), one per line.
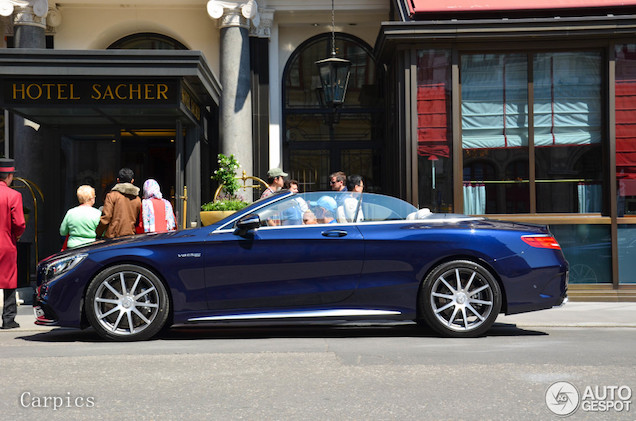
(283, 266)
(395, 250)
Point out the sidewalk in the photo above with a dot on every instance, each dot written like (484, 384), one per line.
(26, 319)
(576, 314)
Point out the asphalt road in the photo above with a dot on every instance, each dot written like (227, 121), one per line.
(355, 372)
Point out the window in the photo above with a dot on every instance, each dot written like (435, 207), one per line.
(626, 159)
(626, 128)
(494, 101)
(566, 141)
(588, 251)
(495, 133)
(319, 141)
(434, 130)
(147, 41)
(567, 117)
(334, 207)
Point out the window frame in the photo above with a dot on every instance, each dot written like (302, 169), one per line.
(606, 141)
(330, 139)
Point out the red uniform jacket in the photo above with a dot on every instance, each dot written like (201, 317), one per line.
(12, 226)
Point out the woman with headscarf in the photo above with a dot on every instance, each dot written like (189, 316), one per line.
(156, 212)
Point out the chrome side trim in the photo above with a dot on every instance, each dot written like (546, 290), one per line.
(297, 314)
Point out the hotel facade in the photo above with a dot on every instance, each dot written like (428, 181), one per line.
(511, 110)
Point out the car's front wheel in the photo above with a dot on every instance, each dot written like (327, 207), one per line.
(127, 303)
(460, 299)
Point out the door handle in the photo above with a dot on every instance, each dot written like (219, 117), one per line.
(334, 233)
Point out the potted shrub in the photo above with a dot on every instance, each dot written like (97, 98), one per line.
(226, 199)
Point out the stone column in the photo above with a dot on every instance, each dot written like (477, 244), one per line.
(29, 21)
(236, 99)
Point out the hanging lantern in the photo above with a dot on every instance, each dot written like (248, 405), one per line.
(334, 72)
(334, 77)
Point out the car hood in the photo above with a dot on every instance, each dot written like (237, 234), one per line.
(115, 242)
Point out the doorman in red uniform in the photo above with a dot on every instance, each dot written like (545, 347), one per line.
(12, 226)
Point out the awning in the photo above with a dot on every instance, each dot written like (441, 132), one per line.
(444, 6)
(127, 88)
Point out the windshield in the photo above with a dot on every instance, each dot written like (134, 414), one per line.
(332, 208)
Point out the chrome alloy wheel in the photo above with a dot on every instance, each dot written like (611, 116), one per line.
(126, 303)
(461, 299)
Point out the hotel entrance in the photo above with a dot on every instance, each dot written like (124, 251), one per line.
(78, 117)
(95, 159)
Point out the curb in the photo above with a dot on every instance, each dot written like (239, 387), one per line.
(570, 325)
(595, 315)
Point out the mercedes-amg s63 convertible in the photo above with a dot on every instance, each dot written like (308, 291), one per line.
(298, 258)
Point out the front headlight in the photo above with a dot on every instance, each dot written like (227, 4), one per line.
(60, 266)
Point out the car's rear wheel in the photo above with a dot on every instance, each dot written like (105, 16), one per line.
(127, 303)
(460, 299)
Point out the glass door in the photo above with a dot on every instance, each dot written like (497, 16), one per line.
(95, 159)
(320, 140)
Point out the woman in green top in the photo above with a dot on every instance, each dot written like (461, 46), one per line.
(80, 222)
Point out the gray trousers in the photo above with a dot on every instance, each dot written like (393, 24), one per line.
(10, 306)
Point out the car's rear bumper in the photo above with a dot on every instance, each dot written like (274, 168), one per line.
(538, 292)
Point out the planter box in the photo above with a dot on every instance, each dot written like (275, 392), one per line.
(211, 217)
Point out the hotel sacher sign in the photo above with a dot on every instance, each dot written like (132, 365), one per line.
(90, 92)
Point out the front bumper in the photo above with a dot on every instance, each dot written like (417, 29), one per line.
(44, 315)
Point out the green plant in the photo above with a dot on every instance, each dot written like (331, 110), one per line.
(226, 174)
(224, 205)
(229, 199)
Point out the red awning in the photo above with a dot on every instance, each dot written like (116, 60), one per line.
(428, 6)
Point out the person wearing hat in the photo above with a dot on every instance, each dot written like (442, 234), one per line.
(276, 180)
(12, 226)
(326, 210)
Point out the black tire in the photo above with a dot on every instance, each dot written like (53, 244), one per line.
(127, 303)
(460, 299)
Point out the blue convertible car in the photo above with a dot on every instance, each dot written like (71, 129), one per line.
(305, 257)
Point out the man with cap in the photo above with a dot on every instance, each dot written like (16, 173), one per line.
(12, 226)
(276, 180)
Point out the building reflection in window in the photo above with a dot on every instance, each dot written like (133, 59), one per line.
(567, 138)
(587, 249)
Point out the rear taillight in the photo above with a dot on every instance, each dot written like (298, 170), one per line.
(541, 241)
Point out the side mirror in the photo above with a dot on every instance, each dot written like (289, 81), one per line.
(246, 224)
